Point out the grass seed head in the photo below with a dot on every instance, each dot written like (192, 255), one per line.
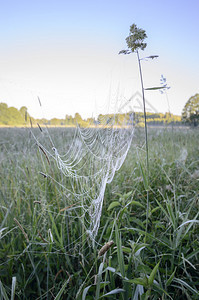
(105, 248)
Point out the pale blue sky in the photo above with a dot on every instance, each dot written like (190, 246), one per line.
(66, 52)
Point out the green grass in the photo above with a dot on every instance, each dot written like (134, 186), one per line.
(49, 259)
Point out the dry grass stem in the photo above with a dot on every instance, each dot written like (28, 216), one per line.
(41, 148)
(23, 231)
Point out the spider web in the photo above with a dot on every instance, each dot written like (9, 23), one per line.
(89, 163)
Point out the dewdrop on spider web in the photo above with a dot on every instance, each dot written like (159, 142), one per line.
(89, 162)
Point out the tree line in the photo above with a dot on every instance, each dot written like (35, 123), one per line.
(11, 116)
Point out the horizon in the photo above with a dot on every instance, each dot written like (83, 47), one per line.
(92, 117)
(67, 55)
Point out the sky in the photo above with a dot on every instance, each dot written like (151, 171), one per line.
(66, 53)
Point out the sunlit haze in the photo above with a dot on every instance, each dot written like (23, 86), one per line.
(66, 53)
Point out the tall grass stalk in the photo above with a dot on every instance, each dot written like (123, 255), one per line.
(146, 141)
(135, 41)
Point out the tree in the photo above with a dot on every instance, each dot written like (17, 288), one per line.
(69, 120)
(78, 119)
(14, 116)
(190, 113)
(3, 113)
(25, 115)
(90, 121)
(55, 122)
(24, 112)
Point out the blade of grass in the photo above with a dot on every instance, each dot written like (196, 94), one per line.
(14, 281)
(113, 292)
(3, 291)
(185, 284)
(61, 291)
(99, 277)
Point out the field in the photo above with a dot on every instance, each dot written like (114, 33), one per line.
(44, 250)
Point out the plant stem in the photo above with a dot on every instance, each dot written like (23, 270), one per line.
(146, 140)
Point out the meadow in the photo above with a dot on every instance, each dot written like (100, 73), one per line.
(44, 251)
